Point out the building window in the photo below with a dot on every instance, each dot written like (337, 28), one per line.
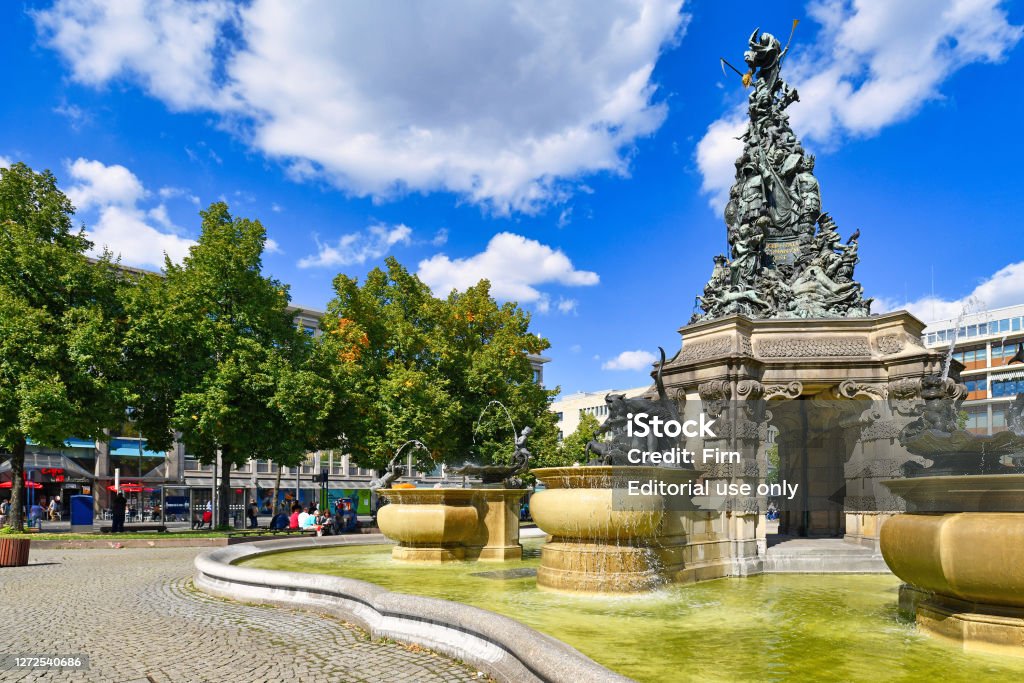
(1007, 387)
(977, 420)
(977, 385)
(558, 416)
(1014, 324)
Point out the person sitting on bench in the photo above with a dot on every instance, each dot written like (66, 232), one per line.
(206, 519)
(279, 521)
(307, 520)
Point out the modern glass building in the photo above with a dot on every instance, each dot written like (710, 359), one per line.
(984, 342)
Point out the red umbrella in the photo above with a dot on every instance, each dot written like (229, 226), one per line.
(28, 484)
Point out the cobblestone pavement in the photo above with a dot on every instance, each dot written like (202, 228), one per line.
(135, 614)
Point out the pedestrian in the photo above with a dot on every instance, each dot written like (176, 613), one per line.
(120, 505)
(254, 511)
(51, 509)
(5, 508)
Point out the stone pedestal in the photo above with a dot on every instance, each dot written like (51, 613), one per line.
(497, 533)
(451, 525)
(964, 581)
(838, 390)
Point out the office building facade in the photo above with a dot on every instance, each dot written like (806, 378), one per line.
(984, 342)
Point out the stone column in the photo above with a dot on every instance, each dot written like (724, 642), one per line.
(175, 460)
(739, 410)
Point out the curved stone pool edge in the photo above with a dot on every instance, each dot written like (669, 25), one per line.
(498, 645)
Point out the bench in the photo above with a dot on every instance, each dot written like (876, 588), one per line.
(293, 531)
(136, 527)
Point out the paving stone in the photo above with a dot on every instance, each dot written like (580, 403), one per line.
(134, 612)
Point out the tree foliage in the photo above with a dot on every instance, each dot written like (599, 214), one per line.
(573, 447)
(415, 366)
(60, 324)
(218, 357)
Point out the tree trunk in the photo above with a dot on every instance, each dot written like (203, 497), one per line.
(17, 520)
(225, 487)
(277, 490)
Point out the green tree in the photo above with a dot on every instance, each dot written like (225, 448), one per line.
(60, 325)
(772, 455)
(573, 447)
(418, 367)
(220, 363)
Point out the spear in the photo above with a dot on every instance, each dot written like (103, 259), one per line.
(791, 32)
(745, 77)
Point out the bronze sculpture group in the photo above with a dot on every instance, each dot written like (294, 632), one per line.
(787, 258)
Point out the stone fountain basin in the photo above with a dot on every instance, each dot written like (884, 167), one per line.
(590, 503)
(428, 516)
(971, 549)
(932, 443)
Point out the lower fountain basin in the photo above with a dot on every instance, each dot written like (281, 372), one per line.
(601, 539)
(962, 569)
(450, 525)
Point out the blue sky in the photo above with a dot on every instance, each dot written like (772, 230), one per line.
(575, 154)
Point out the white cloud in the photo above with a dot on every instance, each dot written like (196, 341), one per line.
(276, 208)
(159, 214)
(358, 247)
(630, 360)
(716, 156)
(126, 233)
(174, 192)
(440, 237)
(5, 162)
(1004, 288)
(514, 265)
(575, 348)
(872, 64)
(76, 116)
(567, 306)
(167, 45)
(271, 246)
(505, 104)
(565, 217)
(112, 195)
(98, 185)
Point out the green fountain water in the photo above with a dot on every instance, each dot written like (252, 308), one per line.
(763, 628)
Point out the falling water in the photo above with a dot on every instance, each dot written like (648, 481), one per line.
(476, 427)
(971, 304)
(414, 442)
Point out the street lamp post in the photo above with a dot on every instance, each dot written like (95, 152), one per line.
(138, 429)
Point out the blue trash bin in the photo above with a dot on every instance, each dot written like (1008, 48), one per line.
(81, 513)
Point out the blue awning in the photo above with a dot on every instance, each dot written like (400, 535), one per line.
(126, 451)
(72, 442)
(123, 447)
